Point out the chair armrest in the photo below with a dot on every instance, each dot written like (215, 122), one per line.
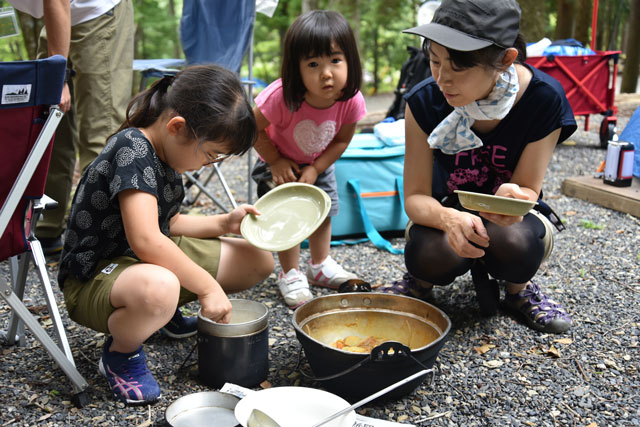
(44, 203)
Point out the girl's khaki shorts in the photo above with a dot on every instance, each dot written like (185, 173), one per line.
(88, 303)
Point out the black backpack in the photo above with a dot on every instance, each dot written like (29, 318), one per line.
(413, 71)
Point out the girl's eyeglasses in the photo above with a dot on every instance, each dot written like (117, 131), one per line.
(217, 158)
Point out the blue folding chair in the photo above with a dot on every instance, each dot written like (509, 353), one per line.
(29, 116)
(211, 32)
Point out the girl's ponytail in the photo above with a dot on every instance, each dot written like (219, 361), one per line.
(146, 107)
(211, 100)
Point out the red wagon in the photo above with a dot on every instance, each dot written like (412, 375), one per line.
(588, 80)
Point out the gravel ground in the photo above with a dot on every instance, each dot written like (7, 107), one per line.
(494, 371)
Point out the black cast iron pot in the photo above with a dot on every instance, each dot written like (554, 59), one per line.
(415, 332)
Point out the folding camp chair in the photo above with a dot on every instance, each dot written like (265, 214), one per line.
(29, 116)
(211, 32)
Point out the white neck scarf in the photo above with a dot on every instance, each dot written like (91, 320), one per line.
(454, 133)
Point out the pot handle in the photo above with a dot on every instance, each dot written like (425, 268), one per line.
(389, 350)
(186, 359)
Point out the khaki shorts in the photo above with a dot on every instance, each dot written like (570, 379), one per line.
(89, 304)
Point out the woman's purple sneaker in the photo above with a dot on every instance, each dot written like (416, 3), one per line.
(540, 312)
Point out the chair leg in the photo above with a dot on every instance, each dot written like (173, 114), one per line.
(43, 275)
(17, 306)
(250, 183)
(193, 179)
(19, 267)
(189, 199)
(226, 188)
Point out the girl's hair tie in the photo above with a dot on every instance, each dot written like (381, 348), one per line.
(165, 82)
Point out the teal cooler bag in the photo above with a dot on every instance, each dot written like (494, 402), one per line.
(369, 179)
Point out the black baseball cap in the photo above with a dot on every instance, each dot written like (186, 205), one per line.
(467, 25)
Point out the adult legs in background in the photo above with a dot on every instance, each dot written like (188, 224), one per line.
(101, 54)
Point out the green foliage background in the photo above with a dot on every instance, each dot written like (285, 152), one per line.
(379, 24)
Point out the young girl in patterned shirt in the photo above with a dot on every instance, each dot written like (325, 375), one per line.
(130, 257)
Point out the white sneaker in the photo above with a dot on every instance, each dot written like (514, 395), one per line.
(328, 274)
(294, 288)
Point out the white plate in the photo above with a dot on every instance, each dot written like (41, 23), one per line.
(295, 407)
(290, 213)
(494, 204)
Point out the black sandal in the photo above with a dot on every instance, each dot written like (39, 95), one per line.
(354, 285)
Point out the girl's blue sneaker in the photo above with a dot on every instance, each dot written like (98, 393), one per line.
(128, 375)
(180, 326)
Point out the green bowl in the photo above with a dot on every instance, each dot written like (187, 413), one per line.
(290, 213)
(494, 204)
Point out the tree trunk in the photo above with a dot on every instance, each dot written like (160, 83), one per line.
(625, 36)
(282, 30)
(139, 45)
(351, 11)
(308, 5)
(565, 23)
(177, 49)
(534, 20)
(605, 16)
(615, 27)
(30, 28)
(630, 72)
(16, 51)
(376, 60)
(354, 21)
(583, 21)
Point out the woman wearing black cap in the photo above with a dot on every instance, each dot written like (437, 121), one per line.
(485, 122)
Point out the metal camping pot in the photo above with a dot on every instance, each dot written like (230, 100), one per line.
(236, 352)
(414, 332)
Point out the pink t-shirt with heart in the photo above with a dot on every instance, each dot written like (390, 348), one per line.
(302, 136)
